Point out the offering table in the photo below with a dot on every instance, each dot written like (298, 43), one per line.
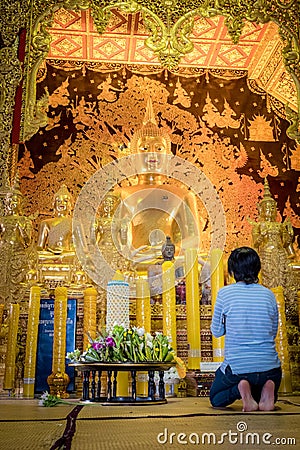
(92, 372)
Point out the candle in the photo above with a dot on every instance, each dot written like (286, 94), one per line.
(60, 322)
(192, 308)
(143, 320)
(89, 315)
(10, 361)
(217, 281)
(282, 342)
(31, 341)
(143, 307)
(169, 302)
(58, 380)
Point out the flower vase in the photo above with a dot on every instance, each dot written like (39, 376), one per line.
(58, 383)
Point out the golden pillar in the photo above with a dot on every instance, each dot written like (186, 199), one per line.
(59, 380)
(143, 306)
(192, 308)
(10, 361)
(31, 341)
(217, 281)
(169, 302)
(282, 342)
(89, 315)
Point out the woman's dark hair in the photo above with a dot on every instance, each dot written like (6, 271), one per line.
(244, 265)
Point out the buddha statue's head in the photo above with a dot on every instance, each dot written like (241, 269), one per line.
(267, 207)
(150, 141)
(62, 201)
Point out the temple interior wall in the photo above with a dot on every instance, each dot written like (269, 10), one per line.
(231, 130)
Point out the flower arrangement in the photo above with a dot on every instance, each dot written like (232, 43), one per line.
(129, 345)
(49, 400)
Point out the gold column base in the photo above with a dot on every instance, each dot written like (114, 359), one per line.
(286, 384)
(58, 383)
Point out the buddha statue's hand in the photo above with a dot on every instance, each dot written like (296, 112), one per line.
(139, 250)
(146, 253)
(263, 229)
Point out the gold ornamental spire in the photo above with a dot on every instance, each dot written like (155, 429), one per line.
(267, 193)
(149, 128)
(149, 114)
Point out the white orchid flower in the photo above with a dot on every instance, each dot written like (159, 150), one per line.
(149, 337)
(140, 331)
(149, 344)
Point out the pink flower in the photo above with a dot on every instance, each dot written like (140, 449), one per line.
(110, 342)
(97, 346)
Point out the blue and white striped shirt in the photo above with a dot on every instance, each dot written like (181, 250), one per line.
(247, 315)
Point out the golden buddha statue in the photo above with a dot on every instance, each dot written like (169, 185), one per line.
(15, 242)
(56, 254)
(55, 234)
(273, 242)
(154, 207)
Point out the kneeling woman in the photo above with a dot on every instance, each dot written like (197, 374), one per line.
(246, 312)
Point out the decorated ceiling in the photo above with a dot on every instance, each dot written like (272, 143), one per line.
(75, 38)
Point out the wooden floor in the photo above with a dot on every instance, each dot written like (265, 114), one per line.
(181, 423)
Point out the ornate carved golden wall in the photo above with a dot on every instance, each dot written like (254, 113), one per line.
(221, 124)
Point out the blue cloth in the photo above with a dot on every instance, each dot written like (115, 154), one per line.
(247, 315)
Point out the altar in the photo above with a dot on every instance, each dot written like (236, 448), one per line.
(92, 373)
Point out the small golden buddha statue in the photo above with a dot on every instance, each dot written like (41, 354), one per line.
(272, 240)
(15, 242)
(112, 233)
(155, 206)
(55, 234)
(56, 254)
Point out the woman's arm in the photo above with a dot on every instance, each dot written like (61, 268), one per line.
(218, 328)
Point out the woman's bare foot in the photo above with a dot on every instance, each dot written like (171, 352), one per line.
(267, 400)
(249, 404)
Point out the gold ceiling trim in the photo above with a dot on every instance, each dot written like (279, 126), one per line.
(170, 24)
